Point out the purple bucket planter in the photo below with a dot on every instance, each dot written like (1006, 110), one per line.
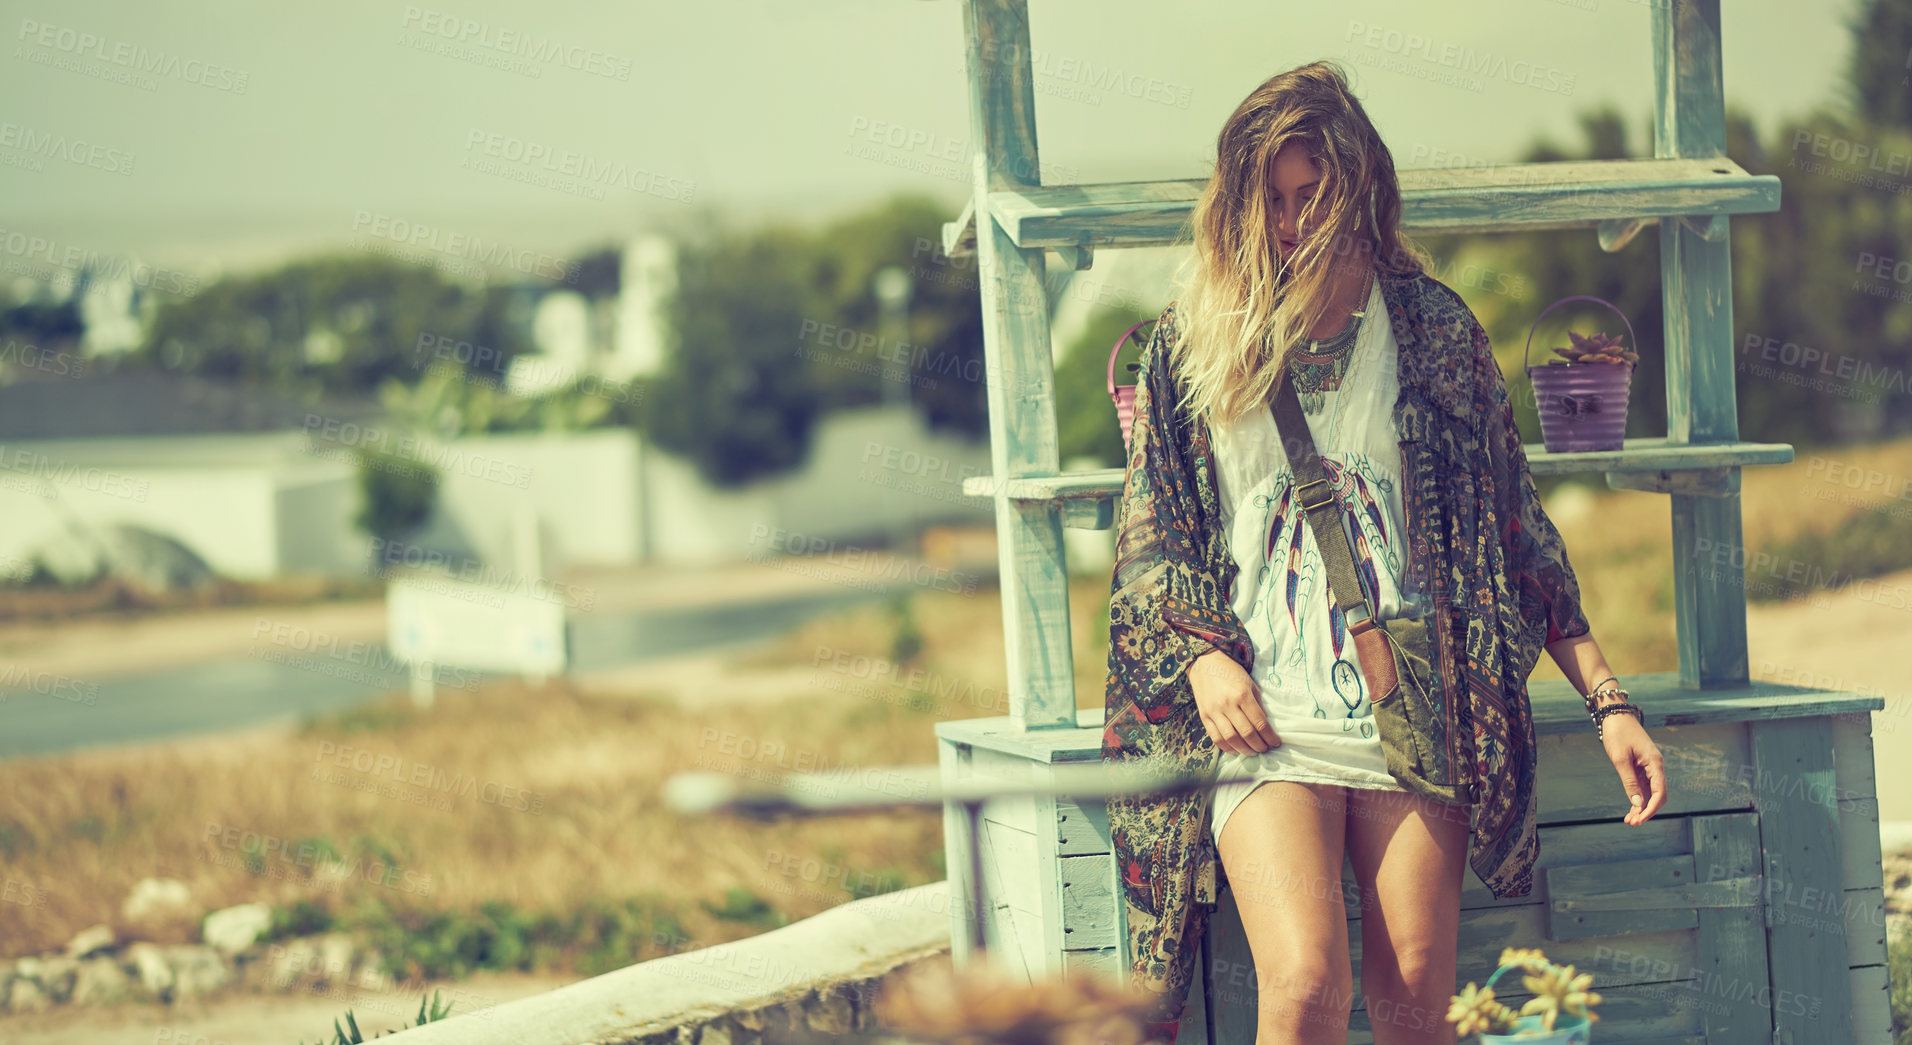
(1582, 406)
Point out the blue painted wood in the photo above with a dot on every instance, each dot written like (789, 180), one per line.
(1795, 792)
(1651, 463)
(1557, 711)
(953, 760)
(1614, 194)
(1019, 369)
(1732, 944)
(1696, 283)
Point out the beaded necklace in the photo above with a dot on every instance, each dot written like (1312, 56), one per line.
(1319, 367)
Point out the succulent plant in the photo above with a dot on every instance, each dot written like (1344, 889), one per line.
(1597, 347)
(1558, 990)
(1474, 1010)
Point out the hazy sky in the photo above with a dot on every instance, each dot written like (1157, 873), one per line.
(237, 132)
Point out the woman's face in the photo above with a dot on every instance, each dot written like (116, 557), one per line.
(1296, 180)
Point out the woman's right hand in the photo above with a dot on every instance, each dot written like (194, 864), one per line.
(1230, 704)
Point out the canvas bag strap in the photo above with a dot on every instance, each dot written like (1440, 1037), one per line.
(1315, 492)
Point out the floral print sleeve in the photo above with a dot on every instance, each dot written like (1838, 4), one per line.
(1543, 577)
(1161, 553)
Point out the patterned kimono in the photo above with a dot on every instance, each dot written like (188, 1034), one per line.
(1480, 546)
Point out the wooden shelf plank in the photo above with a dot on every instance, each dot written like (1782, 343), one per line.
(1556, 709)
(1648, 454)
(1502, 198)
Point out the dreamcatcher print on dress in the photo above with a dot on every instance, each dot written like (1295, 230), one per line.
(1358, 485)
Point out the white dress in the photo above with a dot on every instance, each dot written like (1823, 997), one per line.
(1312, 689)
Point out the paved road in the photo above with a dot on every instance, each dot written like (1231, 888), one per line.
(243, 690)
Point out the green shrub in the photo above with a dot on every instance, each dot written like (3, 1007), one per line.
(397, 494)
(742, 905)
(597, 937)
(303, 918)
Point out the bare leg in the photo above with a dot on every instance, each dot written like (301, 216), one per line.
(1282, 849)
(1409, 856)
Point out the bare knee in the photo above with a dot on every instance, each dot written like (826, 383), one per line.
(1412, 967)
(1304, 990)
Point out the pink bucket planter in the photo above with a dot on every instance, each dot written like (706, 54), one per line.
(1124, 395)
(1582, 406)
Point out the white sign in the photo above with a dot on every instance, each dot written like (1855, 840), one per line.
(436, 620)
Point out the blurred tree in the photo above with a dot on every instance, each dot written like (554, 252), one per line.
(45, 325)
(328, 325)
(1878, 88)
(735, 397)
(598, 273)
(944, 350)
(777, 326)
(396, 493)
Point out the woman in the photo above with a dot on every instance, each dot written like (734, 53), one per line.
(1224, 652)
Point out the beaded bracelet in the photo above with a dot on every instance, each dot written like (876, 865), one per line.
(1622, 706)
(1600, 714)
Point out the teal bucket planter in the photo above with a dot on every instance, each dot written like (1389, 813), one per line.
(1572, 1030)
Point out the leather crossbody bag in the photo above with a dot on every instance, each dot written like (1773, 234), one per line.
(1395, 656)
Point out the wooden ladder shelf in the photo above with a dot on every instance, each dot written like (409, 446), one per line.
(1772, 786)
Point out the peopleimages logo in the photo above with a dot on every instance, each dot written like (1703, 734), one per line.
(569, 163)
(474, 33)
(81, 44)
(40, 145)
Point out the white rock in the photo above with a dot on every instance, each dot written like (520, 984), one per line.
(197, 971)
(152, 897)
(101, 980)
(371, 973)
(236, 928)
(149, 962)
(291, 964)
(98, 938)
(336, 951)
(28, 997)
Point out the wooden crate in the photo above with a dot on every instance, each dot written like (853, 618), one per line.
(1703, 925)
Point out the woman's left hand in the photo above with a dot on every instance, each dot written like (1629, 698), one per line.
(1642, 770)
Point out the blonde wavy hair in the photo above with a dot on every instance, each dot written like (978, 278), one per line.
(1242, 308)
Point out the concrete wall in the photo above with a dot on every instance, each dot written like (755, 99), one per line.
(871, 472)
(258, 505)
(584, 486)
(815, 979)
(218, 495)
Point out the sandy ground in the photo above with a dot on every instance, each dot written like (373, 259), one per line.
(260, 1019)
(1857, 640)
